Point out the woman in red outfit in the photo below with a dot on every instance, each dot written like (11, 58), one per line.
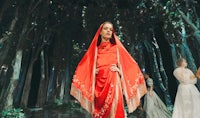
(106, 73)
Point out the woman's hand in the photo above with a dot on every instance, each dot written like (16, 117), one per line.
(114, 68)
(97, 71)
(192, 77)
(150, 93)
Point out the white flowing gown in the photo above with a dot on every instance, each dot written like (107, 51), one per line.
(153, 105)
(187, 102)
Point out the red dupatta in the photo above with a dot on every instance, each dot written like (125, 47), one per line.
(132, 80)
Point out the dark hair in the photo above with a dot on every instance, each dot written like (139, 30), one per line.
(112, 40)
(179, 61)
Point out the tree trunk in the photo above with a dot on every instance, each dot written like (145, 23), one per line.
(27, 85)
(14, 79)
(186, 53)
(43, 82)
(68, 85)
(155, 73)
(62, 86)
(192, 25)
(5, 52)
(6, 4)
(174, 55)
(20, 85)
(163, 75)
(50, 84)
(8, 90)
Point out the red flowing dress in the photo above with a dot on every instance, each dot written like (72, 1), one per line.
(101, 94)
(108, 92)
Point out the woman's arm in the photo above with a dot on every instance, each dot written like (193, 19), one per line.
(192, 76)
(150, 84)
(151, 90)
(178, 74)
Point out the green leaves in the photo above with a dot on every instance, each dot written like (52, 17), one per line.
(13, 113)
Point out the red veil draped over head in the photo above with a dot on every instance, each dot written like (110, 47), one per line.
(131, 79)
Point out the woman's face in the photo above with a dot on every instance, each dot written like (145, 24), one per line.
(184, 63)
(106, 32)
(146, 76)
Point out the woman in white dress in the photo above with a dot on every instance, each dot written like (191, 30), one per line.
(153, 105)
(187, 102)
